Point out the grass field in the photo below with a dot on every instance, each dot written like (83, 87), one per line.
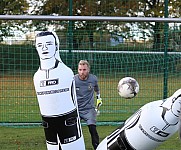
(33, 138)
(18, 103)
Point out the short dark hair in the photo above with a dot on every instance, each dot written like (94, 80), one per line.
(45, 33)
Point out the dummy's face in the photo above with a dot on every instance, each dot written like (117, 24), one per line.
(45, 46)
(83, 71)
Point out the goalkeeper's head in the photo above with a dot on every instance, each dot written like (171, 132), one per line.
(83, 69)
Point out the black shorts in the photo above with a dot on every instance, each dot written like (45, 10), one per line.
(67, 128)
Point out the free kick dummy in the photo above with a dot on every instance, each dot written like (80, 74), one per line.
(147, 128)
(55, 88)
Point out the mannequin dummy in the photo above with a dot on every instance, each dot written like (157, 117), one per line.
(55, 88)
(147, 128)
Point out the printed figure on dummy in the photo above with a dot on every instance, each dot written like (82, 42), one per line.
(147, 128)
(55, 88)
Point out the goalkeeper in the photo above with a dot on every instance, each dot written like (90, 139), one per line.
(86, 84)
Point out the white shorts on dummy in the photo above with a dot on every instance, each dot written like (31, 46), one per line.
(78, 143)
(63, 131)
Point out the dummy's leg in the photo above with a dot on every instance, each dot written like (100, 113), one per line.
(120, 143)
(70, 132)
(77, 145)
(94, 135)
(53, 147)
(51, 137)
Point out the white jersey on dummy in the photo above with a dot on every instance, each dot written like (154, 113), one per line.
(53, 89)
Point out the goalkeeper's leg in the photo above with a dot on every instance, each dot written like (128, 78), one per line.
(94, 135)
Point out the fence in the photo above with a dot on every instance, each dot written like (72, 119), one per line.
(137, 38)
(155, 65)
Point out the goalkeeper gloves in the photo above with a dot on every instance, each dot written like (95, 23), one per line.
(98, 104)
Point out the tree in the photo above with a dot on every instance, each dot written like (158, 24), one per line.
(126, 8)
(82, 8)
(12, 7)
(156, 8)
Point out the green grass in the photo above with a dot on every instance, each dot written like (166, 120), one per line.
(33, 138)
(18, 103)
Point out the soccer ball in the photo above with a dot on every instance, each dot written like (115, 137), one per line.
(128, 87)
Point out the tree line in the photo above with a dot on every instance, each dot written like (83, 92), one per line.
(77, 30)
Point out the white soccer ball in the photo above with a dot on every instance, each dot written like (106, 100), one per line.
(128, 87)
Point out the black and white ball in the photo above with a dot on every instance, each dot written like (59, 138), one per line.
(128, 87)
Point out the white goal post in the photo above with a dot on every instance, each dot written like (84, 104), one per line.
(90, 18)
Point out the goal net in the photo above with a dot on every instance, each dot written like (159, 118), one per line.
(148, 50)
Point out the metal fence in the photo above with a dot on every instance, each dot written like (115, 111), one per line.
(118, 41)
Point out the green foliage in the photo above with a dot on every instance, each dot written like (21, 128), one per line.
(121, 8)
(11, 7)
(148, 30)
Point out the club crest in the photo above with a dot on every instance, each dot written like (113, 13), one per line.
(90, 86)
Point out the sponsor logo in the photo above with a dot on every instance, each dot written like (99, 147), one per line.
(44, 83)
(53, 91)
(159, 132)
(148, 135)
(68, 140)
